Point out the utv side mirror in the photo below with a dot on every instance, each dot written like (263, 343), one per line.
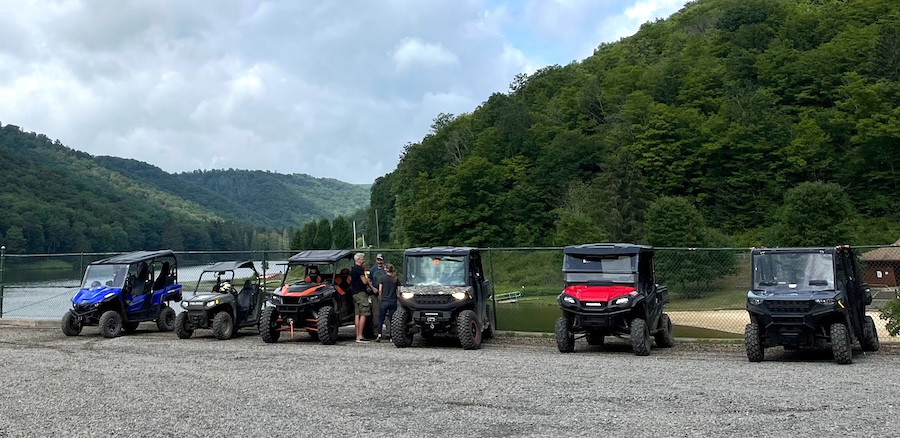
(867, 294)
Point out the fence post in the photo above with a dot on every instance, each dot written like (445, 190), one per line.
(265, 265)
(2, 258)
(493, 290)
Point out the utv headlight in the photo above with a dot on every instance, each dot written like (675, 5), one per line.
(212, 303)
(825, 301)
(569, 299)
(184, 304)
(623, 300)
(407, 295)
(756, 301)
(459, 295)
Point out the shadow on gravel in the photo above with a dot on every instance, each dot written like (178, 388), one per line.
(805, 355)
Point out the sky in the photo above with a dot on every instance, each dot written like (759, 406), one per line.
(329, 88)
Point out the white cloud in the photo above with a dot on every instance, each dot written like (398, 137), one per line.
(412, 52)
(332, 89)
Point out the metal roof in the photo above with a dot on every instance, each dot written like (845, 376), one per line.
(230, 266)
(809, 250)
(440, 250)
(134, 257)
(607, 248)
(319, 256)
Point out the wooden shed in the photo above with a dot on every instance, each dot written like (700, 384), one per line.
(882, 266)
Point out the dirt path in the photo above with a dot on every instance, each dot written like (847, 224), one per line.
(733, 321)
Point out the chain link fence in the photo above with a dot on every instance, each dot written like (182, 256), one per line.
(707, 286)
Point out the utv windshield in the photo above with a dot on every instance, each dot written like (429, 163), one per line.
(600, 269)
(436, 271)
(104, 275)
(806, 271)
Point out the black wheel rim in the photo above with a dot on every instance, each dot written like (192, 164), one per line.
(112, 325)
(474, 329)
(170, 318)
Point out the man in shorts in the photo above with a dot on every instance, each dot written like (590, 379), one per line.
(358, 285)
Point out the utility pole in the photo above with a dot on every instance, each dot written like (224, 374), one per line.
(354, 234)
(377, 230)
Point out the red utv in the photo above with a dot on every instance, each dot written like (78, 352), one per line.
(611, 291)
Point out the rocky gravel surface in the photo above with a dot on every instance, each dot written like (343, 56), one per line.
(153, 384)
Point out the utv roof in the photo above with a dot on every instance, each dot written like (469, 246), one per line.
(319, 256)
(230, 266)
(440, 250)
(826, 250)
(134, 257)
(607, 249)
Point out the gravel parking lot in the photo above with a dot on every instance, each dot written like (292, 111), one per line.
(152, 384)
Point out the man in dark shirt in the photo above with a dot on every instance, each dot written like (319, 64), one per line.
(358, 284)
(375, 275)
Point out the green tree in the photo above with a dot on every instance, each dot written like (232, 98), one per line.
(675, 222)
(14, 240)
(815, 214)
(323, 238)
(308, 235)
(341, 233)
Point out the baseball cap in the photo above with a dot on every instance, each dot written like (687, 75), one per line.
(379, 257)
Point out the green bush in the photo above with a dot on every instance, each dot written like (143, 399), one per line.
(891, 313)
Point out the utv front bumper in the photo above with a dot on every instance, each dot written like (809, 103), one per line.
(600, 317)
(437, 313)
(794, 323)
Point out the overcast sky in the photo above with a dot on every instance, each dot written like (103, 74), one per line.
(328, 88)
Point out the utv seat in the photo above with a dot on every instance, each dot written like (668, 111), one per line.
(244, 297)
(342, 282)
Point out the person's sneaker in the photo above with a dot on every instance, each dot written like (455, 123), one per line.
(362, 341)
(378, 338)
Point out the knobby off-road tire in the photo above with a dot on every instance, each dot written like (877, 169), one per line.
(468, 330)
(327, 325)
(223, 325)
(870, 341)
(665, 338)
(110, 324)
(268, 325)
(70, 325)
(753, 343)
(183, 326)
(165, 322)
(565, 339)
(400, 333)
(595, 339)
(840, 344)
(130, 326)
(640, 337)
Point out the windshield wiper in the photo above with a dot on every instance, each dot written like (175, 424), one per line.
(818, 282)
(768, 283)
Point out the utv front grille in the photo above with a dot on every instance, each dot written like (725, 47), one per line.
(789, 306)
(433, 299)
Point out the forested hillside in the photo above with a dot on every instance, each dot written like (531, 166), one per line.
(752, 121)
(264, 199)
(57, 199)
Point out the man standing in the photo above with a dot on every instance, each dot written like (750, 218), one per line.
(358, 283)
(375, 275)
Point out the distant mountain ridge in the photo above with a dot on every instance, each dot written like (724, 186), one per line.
(58, 199)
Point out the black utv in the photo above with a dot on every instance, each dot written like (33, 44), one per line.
(610, 290)
(443, 290)
(223, 305)
(314, 296)
(808, 297)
